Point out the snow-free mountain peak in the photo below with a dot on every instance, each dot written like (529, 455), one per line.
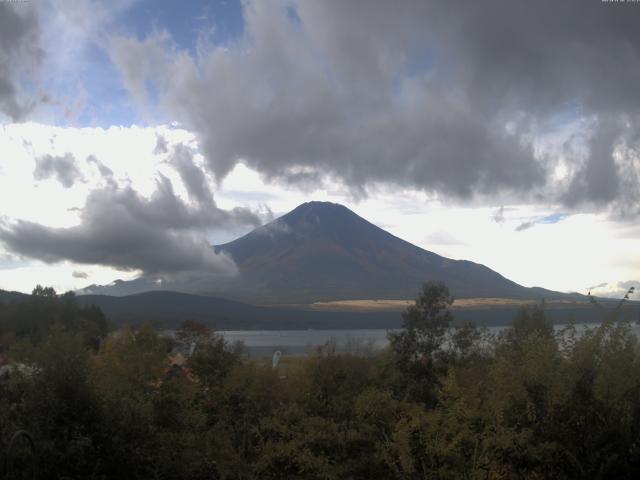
(323, 251)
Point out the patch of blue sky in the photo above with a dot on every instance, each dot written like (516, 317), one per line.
(107, 101)
(419, 62)
(92, 95)
(116, 110)
(187, 23)
(563, 118)
(553, 218)
(221, 21)
(292, 13)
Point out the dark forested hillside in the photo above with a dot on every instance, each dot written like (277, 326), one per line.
(168, 309)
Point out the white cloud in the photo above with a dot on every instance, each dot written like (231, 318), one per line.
(579, 252)
(27, 275)
(122, 180)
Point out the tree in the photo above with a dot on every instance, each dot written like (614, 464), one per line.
(418, 345)
(44, 292)
(529, 321)
(59, 407)
(533, 320)
(32, 317)
(211, 357)
(193, 332)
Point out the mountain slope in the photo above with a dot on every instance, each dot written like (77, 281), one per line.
(323, 251)
(8, 296)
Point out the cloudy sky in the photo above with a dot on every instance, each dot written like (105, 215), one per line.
(133, 134)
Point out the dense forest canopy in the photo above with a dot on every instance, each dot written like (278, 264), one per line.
(439, 402)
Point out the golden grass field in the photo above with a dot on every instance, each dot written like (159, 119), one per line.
(462, 303)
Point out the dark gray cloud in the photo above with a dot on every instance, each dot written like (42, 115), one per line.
(498, 216)
(105, 171)
(119, 228)
(192, 176)
(197, 185)
(62, 168)
(161, 145)
(546, 220)
(599, 179)
(524, 226)
(19, 53)
(78, 274)
(446, 98)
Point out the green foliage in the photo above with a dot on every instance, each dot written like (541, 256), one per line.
(32, 319)
(440, 402)
(418, 347)
(530, 321)
(211, 360)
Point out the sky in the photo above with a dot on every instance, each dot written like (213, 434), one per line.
(134, 134)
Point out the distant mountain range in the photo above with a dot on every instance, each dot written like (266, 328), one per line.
(166, 309)
(7, 296)
(323, 251)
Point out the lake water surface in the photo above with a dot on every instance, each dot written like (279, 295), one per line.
(303, 342)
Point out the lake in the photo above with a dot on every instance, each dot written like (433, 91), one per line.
(263, 343)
